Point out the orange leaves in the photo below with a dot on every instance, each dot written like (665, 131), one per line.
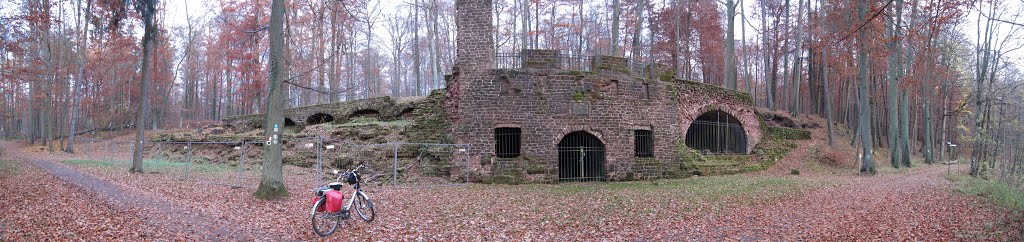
(916, 205)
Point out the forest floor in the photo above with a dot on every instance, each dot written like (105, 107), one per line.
(42, 194)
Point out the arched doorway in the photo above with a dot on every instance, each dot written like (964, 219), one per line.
(288, 122)
(580, 157)
(319, 118)
(717, 132)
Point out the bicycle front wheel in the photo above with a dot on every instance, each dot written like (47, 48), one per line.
(324, 223)
(364, 207)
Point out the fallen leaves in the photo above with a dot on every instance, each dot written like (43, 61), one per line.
(916, 205)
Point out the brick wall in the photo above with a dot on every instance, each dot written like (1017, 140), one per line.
(541, 59)
(548, 103)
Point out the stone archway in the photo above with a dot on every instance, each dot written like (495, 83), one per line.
(581, 157)
(716, 132)
(744, 117)
(319, 118)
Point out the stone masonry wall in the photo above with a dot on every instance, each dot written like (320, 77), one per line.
(548, 103)
(386, 107)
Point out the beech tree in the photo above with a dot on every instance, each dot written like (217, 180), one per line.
(272, 180)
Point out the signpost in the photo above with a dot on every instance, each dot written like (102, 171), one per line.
(948, 162)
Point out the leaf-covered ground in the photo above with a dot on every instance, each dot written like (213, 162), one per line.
(820, 204)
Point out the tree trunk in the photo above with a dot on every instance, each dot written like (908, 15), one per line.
(675, 37)
(893, 31)
(416, 48)
(76, 107)
(637, 30)
(824, 73)
(745, 56)
(981, 69)
(868, 163)
(148, 11)
(768, 79)
(797, 53)
(730, 45)
(272, 179)
(616, 12)
(526, 24)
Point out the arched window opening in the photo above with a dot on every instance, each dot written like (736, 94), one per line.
(717, 132)
(319, 118)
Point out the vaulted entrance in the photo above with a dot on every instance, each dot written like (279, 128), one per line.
(580, 157)
(717, 132)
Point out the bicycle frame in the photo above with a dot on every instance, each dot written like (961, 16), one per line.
(352, 200)
(357, 190)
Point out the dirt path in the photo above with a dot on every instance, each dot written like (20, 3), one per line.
(908, 205)
(915, 205)
(152, 211)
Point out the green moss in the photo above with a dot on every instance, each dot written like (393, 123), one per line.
(666, 76)
(432, 123)
(267, 191)
(371, 121)
(771, 149)
(578, 96)
(535, 168)
(788, 133)
(506, 179)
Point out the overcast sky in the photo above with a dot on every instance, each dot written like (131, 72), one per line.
(201, 8)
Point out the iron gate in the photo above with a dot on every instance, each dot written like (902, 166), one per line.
(717, 132)
(580, 157)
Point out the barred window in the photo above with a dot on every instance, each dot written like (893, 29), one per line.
(507, 142)
(644, 143)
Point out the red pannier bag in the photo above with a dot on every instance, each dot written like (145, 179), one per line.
(334, 200)
(320, 208)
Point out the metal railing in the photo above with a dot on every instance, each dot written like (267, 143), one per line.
(716, 138)
(508, 61)
(566, 62)
(577, 62)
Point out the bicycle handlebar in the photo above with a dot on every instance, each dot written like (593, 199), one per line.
(349, 171)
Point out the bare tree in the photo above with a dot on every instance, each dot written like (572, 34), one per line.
(80, 77)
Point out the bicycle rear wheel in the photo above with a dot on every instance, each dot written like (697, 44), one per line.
(364, 207)
(324, 223)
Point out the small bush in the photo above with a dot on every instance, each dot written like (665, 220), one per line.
(998, 192)
(794, 172)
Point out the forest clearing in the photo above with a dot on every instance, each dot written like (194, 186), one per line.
(824, 202)
(554, 120)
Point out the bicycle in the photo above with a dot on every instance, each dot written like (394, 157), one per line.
(328, 199)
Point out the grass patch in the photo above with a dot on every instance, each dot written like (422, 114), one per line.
(374, 121)
(997, 192)
(9, 167)
(155, 165)
(711, 188)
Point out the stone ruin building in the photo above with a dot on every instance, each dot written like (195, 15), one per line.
(540, 116)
